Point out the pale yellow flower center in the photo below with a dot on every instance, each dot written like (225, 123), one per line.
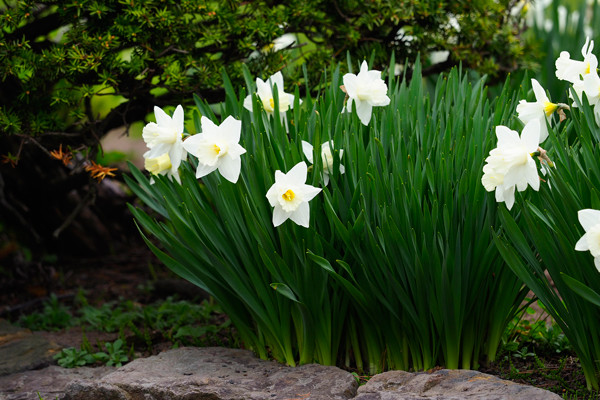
(158, 164)
(217, 149)
(269, 105)
(587, 68)
(289, 195)
(549, 108)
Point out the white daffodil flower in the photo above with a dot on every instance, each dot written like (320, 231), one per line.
(264, 90)
(511, 164)
(573, 70)
(290, 196)
(217, 147)
(590, 84)
(158, 164)
(164, 137)
(365, 91)
(541, 110)
(326, 157)
(590, 220)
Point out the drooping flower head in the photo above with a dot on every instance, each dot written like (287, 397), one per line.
(573, 70)
(326, 157)
(365, 91)
(264, 90)
(217, 147)
(590, 220)
(511, 163)
(290, 196)
(541, 109)
(164, 139)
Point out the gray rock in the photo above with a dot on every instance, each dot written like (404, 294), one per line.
(22, 350)
(50, 382)
(447, 385)
(215, 373)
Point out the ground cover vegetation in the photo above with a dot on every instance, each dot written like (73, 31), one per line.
(72, 70)
(531, 352)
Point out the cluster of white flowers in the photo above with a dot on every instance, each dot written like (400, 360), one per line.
(217, 146)
(511, 165)
(583, 75)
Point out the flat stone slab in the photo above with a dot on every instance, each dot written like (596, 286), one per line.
(447, 384)
(215, 373)
(50, 382)
(22, 350)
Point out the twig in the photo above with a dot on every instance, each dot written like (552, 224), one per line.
(89, 197)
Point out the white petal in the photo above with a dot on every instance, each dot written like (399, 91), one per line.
(279, 176)
(509, 197)
(231, 129)
(279, 216)
(307, 149)
(529, 111)
(276, 79)
(204, 170)
(364, 109)
(272, 194)
(176, 154)
(350, 84)
(582, 244)
(263, 89)
(235, 150)
(230, 168)
(302, 215)
(178, 120)
(298, 173)
(325, 178)
(290, 99)
(588, 218)
(532, 176)
(248, 102)
(597, 263)
(531, 135)
(159, 149)
(538, 90)
(161, 117)
(191, 144)
(506, 136)
(308, 192)
(543, 130)
(364, 67)
(208, 126)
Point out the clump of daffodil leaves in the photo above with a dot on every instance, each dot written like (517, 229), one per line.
(552, 240)
(347, 229)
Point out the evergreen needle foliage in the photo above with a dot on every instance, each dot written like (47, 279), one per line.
(398, 268)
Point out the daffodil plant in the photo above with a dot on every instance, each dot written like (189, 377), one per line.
(357, 238)
(557, 234)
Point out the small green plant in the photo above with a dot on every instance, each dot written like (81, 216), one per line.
(71, 357)
(55, 316)
(115, 355)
